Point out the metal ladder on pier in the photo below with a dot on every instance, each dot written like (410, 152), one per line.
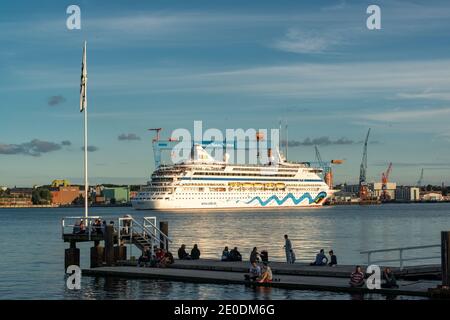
(142, 235)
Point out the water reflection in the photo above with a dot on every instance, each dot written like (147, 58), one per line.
(345, 229)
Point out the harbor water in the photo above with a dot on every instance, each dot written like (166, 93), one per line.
(32, 251)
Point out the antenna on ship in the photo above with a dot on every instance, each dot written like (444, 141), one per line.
(287, 141)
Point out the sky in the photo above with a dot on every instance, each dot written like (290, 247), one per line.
(230, 64)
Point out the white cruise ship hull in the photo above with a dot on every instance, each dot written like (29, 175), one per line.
(204, 183)
(268, 200)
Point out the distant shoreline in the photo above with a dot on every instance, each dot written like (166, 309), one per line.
(65, 206)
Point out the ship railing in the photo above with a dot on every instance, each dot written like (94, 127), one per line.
(71, 225)
(401, 254)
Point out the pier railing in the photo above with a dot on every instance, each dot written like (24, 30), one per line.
(142, 234)
(401, 254)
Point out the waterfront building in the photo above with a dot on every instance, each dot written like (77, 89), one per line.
(431, 196)
(377, 188)
(116, 194)
(64, 195)
(407, 193)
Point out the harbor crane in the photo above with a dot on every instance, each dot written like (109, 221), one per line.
(384, 181)
(419, 182)
(363, 189)
(326, 167)
(158, 131)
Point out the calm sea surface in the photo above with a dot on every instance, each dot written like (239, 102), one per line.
(32, 252)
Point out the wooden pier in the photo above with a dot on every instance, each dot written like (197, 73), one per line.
(110, 261)
(287, 276)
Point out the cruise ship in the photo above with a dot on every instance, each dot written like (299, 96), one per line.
(202, 182)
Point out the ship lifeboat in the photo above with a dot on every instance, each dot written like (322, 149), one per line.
(247, 185)
(258, 186)
(280, 185)
(269, 186)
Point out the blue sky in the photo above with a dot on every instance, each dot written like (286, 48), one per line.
(231, 64)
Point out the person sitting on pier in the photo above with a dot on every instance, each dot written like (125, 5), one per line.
(254, 255)
(320, 257)
(333, 259)
(195, 252)
(254, 273)
(266, 276)
(182, 254)
(82, 228)
(97, 226)
(235, 255)
(389, 279)
(76, 227)
(145, 257)
(225, 254)
(169, 258)
(357, 278)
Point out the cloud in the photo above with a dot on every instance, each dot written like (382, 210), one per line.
(301, 42)
(56, 100)
(427, 165)
(66, 143)
(129, 137)
(407, 115)
(33, 148)
(90, 148)
(321, 141)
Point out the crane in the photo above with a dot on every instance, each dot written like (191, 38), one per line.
(363, 190)
(158, 130)
(419, 182)
(326, 167)
(384, 181)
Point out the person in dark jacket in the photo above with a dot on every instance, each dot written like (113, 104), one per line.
(333, 259)
(182, 254)
(225, 254)
(389, 279)
(254, 255)
(195, 253)
(235, 255)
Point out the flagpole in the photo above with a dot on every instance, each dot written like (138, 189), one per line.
(86, 182)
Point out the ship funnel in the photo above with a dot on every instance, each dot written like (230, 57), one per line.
(201, 155)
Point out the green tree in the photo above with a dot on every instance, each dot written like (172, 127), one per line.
(36, 197)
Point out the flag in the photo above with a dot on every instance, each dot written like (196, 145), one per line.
(83, 84)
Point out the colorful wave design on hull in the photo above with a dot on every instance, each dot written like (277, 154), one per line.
(322, 195)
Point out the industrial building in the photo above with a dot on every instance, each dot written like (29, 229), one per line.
(407, 193)
(64, 195)
(116, 194)
(431, 196)
(377, 189)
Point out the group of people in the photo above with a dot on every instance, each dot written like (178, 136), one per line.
(231, 255)
(357, 278)
(322, 259)
(158, 258)
(258, 274)
(97, 227)
(183, 255)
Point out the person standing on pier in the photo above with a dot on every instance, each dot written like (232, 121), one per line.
(288, 248)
